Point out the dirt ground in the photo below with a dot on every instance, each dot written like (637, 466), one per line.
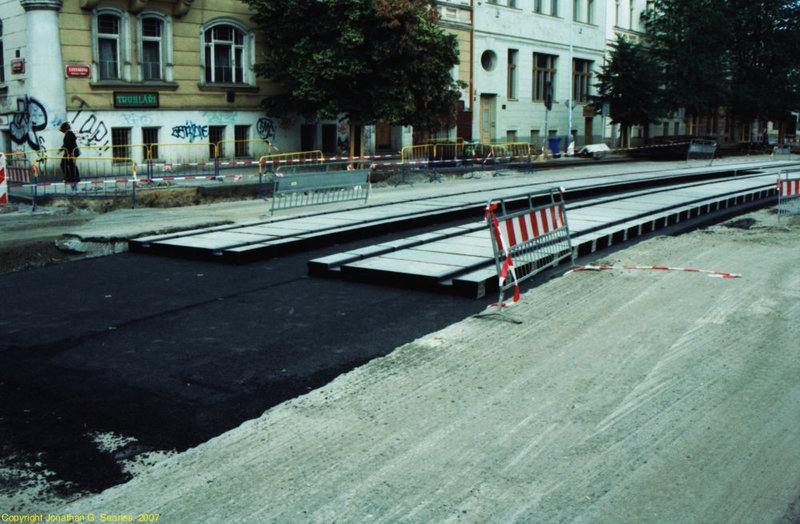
(626, 395)
(33, 239)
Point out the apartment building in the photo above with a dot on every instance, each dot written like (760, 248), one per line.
(526, 49)
(130, 73)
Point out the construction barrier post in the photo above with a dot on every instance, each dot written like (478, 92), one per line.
(35, 185)
(526, 241)
(3, 183)
(788, 194)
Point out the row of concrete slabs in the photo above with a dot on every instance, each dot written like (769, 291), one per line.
(464, 263)
(460, 259)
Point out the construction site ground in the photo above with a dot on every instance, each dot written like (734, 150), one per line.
(625, 395)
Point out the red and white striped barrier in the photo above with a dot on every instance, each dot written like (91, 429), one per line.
(527, 241)
(717, 274)
(3, 183)
(19, 174)
(534, 224)
(788, 186)
(502, 249)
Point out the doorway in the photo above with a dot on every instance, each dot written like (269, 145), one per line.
(488, 124)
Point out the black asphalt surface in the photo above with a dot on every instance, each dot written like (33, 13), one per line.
(174, 352)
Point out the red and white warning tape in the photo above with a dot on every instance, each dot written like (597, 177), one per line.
(717, 274)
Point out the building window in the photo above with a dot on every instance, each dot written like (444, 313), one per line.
(150, 141)
(631, 14)
(488, 60)
(121, 143)
(155, 47)
(589, 11)
(241, 136)
(554, 7)
(512, 74)
(538, 6)
(216, 134)
(226, 54)
(110, 50)
(511, 136)
(108, 45)
(544, 71)
(151, 48)
(576, 10)
(581, 79)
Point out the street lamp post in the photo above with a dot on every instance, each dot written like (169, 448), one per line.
(571, 69)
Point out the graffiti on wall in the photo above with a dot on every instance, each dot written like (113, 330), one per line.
(190, 131)
(265, 129)
(91, 130)
(220, 118)
(30, 118)
(137, 119)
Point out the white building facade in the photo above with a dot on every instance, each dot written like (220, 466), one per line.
(521, 46)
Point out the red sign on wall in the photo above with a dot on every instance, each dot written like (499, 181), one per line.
(18, 66)
(78, 71)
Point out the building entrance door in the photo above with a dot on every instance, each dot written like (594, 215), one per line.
(488, 114)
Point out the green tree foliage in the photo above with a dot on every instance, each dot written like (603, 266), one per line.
(738, 54)
(764, 63)
(372, 60)
(630, 83)
(690, 39)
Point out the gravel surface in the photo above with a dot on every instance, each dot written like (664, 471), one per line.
(626, 395)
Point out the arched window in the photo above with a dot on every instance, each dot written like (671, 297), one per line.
(227, 53)
(110, 49)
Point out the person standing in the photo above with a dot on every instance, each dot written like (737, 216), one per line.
(70, 151)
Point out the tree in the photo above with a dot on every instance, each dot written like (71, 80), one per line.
(370, 60)
(736, 54)
(630, 83)
(690, 38)
(763, 59)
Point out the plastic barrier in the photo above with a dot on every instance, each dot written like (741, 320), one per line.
(701, 149)
(788, 194)
(3, 183)
(295, 189)
(527, 241)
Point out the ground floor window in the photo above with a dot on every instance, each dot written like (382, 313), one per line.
(150, 142)
(216, 134)
(121, 143)
(241, 136)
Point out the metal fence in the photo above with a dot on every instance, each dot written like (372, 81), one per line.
(783, 152)
(529, 234)
(701, 149)
(95, 177)
(788, 194)
(456, 154)
(295, 188)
